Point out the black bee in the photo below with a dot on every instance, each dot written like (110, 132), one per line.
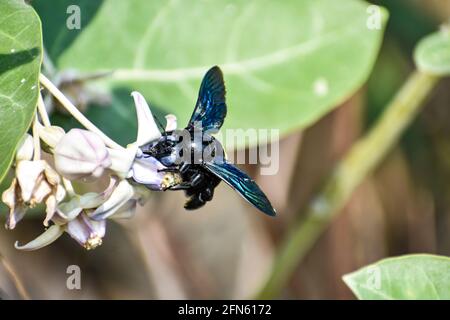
(198, 157)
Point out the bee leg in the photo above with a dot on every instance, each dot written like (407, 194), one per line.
(184, 167)
(207, 194)
(181, 186)
(168, 170)
(194, 202)
(196, 180)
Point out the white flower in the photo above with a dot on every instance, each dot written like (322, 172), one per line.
(35, 182)
(83, 217)
(148, 170)
(81, 154)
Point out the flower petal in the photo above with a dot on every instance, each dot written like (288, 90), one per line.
(46, 238)
(119, 197)
(50, 209)
(25, 151)
(87, 232)
(146, 171)
(79, 231)
(98, 228)
(16, 207)
(127, 211)
(91, 200)
(67, 211)
(60, 193)
(51, 135)
(9, 195)
(15, 215)
(122, 160)
(27, 173)
(147, 128)
(42, 190)
(52, 176)
(81, 154)
(113, 181)
(171, 123)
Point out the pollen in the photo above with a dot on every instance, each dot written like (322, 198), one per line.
(93, 242)
(170, 179)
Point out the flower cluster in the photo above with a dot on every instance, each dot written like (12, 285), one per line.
(84, 156)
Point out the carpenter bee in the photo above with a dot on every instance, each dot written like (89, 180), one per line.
(198, 157)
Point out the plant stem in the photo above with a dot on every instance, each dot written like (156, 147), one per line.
(36, 141)
(363, 158)
(69, 187)
(76, 113)
(43, 112)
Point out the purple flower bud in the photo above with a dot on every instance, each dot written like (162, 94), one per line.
(81, 154)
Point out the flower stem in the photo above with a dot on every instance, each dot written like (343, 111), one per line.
(76, 113)
(363, 158)
(43, 112)
(36, 141)
(69, 187)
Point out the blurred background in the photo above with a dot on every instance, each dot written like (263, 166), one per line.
(226, 249)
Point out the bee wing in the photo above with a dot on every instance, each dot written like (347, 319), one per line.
(210, 109)
(242, 183)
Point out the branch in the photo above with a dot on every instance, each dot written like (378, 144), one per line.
(76, 113)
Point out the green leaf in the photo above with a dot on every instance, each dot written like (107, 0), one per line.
(54, 16)
(418, 276)
(432, 54)
(20, 59)
(286, 63)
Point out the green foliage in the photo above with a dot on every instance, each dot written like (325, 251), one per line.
(407, 277)
(284, 72)
(54, 15)
(432, 54)
(20, 59)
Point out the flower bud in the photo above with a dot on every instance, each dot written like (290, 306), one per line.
(81, 154)
(171, 123)
(25, 151)
(51, 135)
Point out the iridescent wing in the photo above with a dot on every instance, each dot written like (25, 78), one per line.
(242, 183)
(210, 109)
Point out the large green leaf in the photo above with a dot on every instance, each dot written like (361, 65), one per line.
(432, 54)
(286, 63)
(20, 59)
(56, 14)
(407, 277)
